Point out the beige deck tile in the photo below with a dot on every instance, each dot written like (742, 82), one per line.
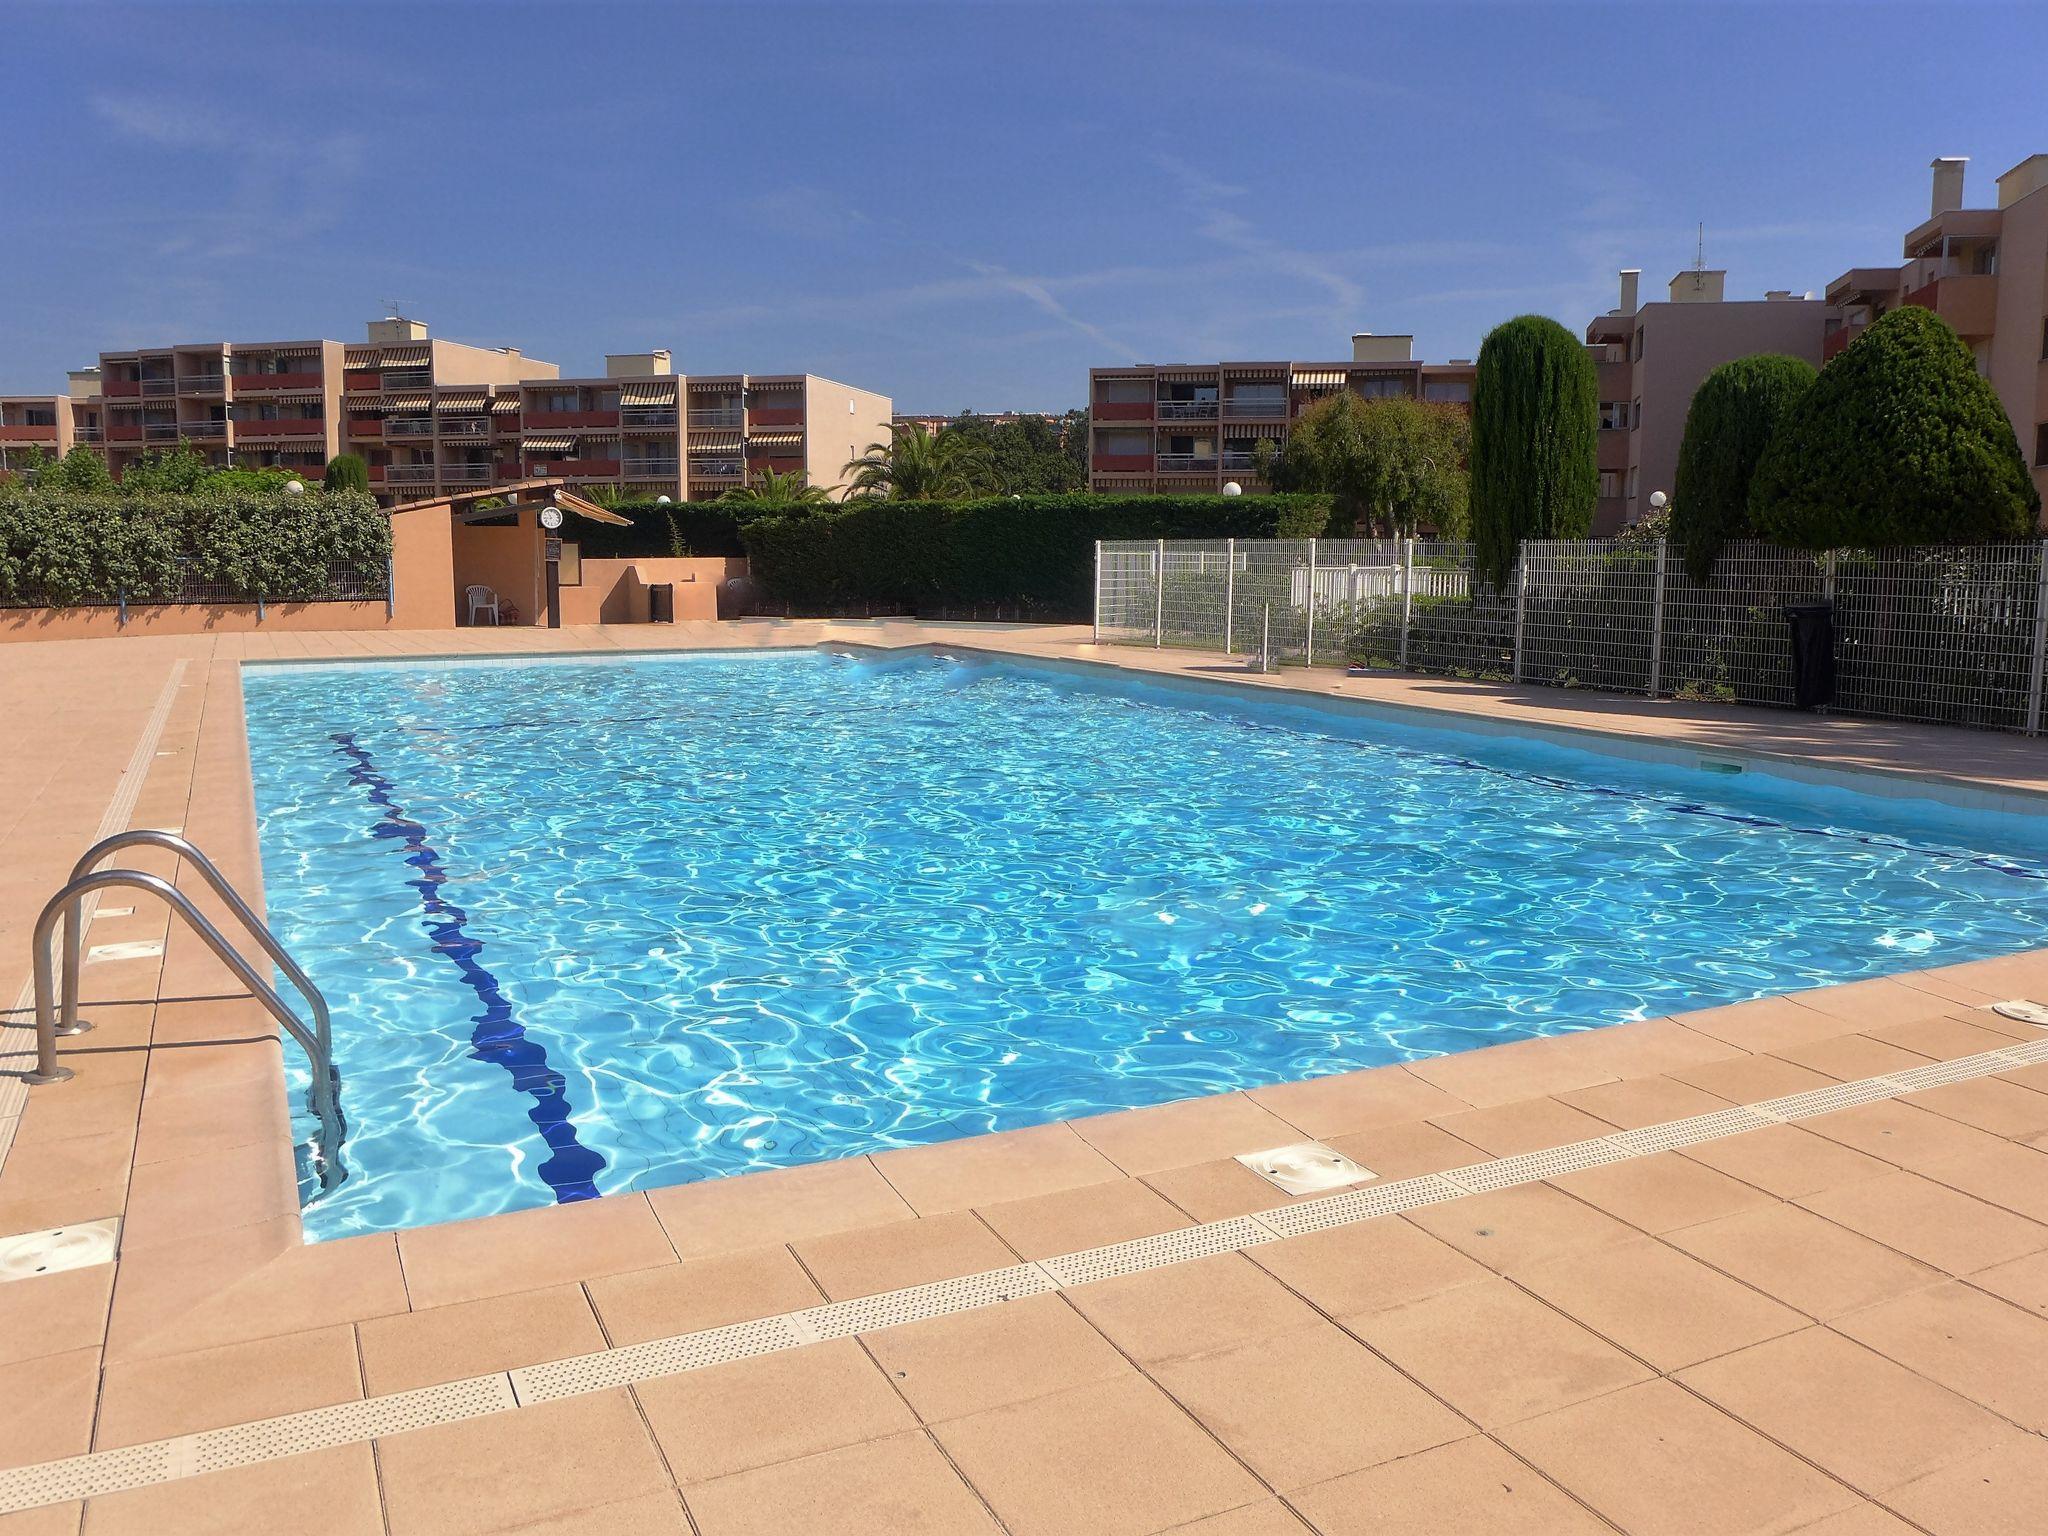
(901, 1486)
(1786, 1161)
(229, 1384)
(1849, 1058)
(332, 1492)
(645, 1304)
(1469, 1486)
(1269, 1517)
(1942, 1039)
(1998, 1492)
(1658, 1304)
(651, 1514)
(1752, 1079)
(1943, 985)
(1806, 1262)
(1646, 1047)
(751, 1413)
(898, 1254)
(1845, 1408)
(1873, 1005)
(1863, 1520)
(1402, 1151)
(208, 1193)
(2023, 1282)
(482, 1475)
(528, 1250)
(46, 1520)
(67, 1167)
(1640, 1101)
(1988, 1103)
(1114, 1459)
(2034, 1076)
(1496, 1354)
(1657, 1461)
(1986, 1349)
(970, 1361)
(781, 1206)
(1193, 1308)
(2003, 1173)
(1520, 1069)
(55, 1314)
(1368, 1266)
(1662, 1192)
(1217, 1190)
(981, 1170)
(1901, 1134)
(1931, 1222)
(36, 1212)
(1346, 1102)
(1092, 1216)
(46, 1406)
(1189, 1131)
(1765, 1024)
(1511, 1229)
(1529, 1125)
(1308, 1406)
(475, 1338)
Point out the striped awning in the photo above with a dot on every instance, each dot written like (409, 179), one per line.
(1255, 370)
(725, 443)
(1186, 375)
(774, 439)
(775, 383)
(505, 405)
(294, 394)
(407, 404)
(544, 444)
(597, 437)
(712, 387)
(405, 357)
(359, 357)
(1318, 378)
(647, 394)
(1275, 429)
(469, 400)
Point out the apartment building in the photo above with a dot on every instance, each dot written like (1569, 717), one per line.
(1652, 356)
(1984, 271)
(1194, 427)
(33, 426)
(429, 415)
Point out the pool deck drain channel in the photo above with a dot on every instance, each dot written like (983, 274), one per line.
(159, 1461)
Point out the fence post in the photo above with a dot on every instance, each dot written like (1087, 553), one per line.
(120, 609)
(1521, 603)
(2035, 674)
(1159, 596)
(1657, 623)
(261, 611)
(390, 588)
(1229, 590)
(1407, 594)
(1827, 576)
(1308, 658)
(1097, 636)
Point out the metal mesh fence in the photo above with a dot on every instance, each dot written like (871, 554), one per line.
(1954, 636)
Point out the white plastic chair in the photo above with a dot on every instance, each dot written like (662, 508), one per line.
(482, 600)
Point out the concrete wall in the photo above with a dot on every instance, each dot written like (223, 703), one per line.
(839, 423)
(2018, 370)
(615, 591)
(188, 619)
(505, 558)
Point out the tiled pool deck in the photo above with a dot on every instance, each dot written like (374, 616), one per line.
(1836, 1323)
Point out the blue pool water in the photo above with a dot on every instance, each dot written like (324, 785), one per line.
(601, 926)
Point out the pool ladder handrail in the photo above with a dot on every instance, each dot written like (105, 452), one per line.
(55, 1018)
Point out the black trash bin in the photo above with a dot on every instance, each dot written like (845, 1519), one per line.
(1813, 654)
(661, 602)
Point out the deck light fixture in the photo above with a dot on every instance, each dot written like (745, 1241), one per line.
(1232, 488)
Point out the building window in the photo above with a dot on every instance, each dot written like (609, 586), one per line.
(2044, 341)
(2041, 446)
(1613, 415)
(1632, 482)
(1447, 391)
(1986, 262)
(1379, 386)
(1635, 414)
(1635, 350)
(1610, 484)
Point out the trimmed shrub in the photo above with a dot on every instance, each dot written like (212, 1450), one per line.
(1731, 419)
(1535, 436)
(1031, 555)
(680, 528)
(62, 549)
(347, 472)
(1899, 442)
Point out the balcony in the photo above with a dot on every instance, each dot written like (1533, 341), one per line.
(1122, 463)
(716, 469)
(649, 416)
(365, 426)
(282, 426)
(1239, 463)
(1968, 301)
(163, 431)
(1186, 463)
(358, 380)
(1123, 410)
(202, 383)
(576, 469)
(87, 433)
(1832, 344)
(408, 426)
(24, 433)
(262, 383)
(405, 378)
(1187, 410)
(124, 432)
(556, 420)
(165, 386)
(468, 474)
(465, 426)
(718, 416)
(1255, 409)
(203, 430)
(775, 416)
(116, 389)
(409, 474)
(652, 469)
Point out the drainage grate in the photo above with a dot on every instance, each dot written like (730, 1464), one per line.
(83, 1477)
(658, 1357)
(371, 1418)
(891, 1309)
(1176, 1247)
(1822, 1101)
(1694, 1129)
(1304, 1168)
(1359, 1205)
(1528, 1167)
(2026, 1055)
(1937, 1073)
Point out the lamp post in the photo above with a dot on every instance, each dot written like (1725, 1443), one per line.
(1232, 488)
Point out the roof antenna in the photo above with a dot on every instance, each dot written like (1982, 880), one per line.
(396, 307)
(1699, 250)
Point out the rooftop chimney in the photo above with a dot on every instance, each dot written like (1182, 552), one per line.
(1777, 294)
(1630, 276)
(1368, 348)
(1700, 285)
(636, 365)
(1948, 184)
(395, 329)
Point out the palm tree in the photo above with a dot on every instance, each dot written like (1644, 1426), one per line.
(776, 495)
(920, 465)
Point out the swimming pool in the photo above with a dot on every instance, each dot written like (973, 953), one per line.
(592, 925)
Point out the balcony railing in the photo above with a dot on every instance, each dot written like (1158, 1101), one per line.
(468, 474)
(1257, 410)
(202, 383)
(718, 416)
(257, 383)
(162, 431)
(408, 426)
(410, 474)
(465, 426)
(716, 469)
(280, 426)
(86, 434)
(1186, 461)
(408, 378)
(120, 387)
(159, 386)
(1187, 410)
(648, 416)
(1239, 461)
(203, 429)
(651, 469)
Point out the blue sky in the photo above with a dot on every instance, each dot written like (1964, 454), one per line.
(963, 205)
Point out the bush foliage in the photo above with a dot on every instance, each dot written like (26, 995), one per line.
(1030, 555)
(347, 472)
(1391, 465)
(1535, 436)
(1731, 419)
(64, 549)
(1899, 441)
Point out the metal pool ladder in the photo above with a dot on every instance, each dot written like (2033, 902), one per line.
(57, 1017)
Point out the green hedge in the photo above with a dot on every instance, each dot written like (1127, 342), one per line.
(62, 549)
(1031, 556)
(688, 527)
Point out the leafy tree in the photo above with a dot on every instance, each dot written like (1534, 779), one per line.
(1899, 441)
(80, 470)
(347, 472)
(1390, 465)
(1029, 456)
(1727, 427)
(775, 494)
(183, 468)
(917, 465)
(1535, 435)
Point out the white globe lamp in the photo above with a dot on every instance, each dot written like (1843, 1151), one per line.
(661, 501)
(1658, 501)
(295, 487)
(1232, 488)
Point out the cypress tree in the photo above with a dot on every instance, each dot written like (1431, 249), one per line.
(1727, 427)
(1535, 456)
(1899, 441)
(347, 472)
